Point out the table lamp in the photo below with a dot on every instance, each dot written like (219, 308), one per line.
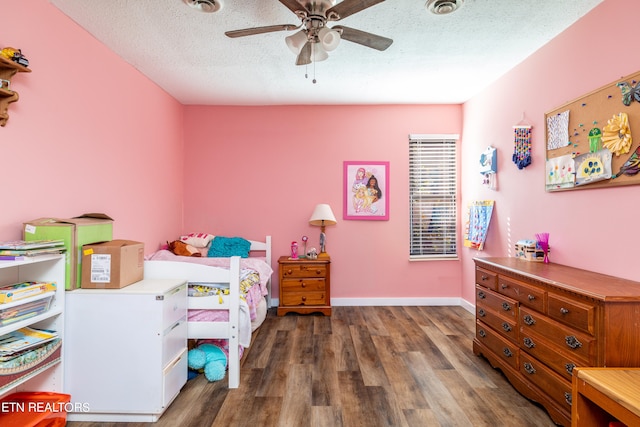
(322, 215)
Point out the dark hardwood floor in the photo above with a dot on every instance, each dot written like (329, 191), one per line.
(363, 366)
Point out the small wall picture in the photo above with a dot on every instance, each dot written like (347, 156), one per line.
(366, 190)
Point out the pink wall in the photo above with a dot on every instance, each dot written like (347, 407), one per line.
(88, 134)
(592, 229)
(252, 171)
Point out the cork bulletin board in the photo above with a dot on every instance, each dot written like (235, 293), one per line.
(594, 141)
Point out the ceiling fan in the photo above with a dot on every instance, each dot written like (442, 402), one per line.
(315, 39)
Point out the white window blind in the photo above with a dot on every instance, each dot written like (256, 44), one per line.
(432, 196)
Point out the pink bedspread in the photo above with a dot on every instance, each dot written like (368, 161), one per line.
(256, 263)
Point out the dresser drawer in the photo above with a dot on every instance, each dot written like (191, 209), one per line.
(506, 350)
(304, 270)
(174, 305)
(174, 341)
(548, 353)
(507, 307)
(565, 339)
(174, 376)
(573, 313)
(303, 298)
(528, 295)
(505, 326)
(547, 380)
(486, 278)
(302, 285)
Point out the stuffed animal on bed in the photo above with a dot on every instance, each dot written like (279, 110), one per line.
(210, 359)
(181, 248)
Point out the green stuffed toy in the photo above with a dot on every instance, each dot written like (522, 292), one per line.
(210, 359)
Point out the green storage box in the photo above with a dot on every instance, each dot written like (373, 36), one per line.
(75, 232)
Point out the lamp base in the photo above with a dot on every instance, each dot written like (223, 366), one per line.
(323, 255)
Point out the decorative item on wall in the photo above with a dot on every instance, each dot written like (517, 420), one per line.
(489, 167)
(479, 214)
(522, 144)
(366, 190)
(589, 140)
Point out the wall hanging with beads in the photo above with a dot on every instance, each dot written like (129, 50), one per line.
(522, 145)
(589, 141)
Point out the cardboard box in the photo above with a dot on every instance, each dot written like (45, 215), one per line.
(112, 265)
(75, 232)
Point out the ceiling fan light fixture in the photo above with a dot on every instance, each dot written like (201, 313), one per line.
(318, 53)
(296, 41)
(330, 39)
(207, 6)
(443, 7)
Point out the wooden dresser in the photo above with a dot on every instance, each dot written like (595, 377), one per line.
(304, 286)
(536, 322)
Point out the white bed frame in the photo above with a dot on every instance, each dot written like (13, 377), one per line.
(192, 272)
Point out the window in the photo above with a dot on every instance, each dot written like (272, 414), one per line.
(433, 203)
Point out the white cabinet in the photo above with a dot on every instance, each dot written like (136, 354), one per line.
(126, 353)
(48, 375)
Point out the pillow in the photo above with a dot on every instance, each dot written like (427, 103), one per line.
(223, 247)
(199, 240)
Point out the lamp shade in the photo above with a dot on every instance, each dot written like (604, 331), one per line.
(329, 38)
(296, 41)
(319, 54)
(322, 215)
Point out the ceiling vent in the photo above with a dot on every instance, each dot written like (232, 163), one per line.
(443, 7)
(208, 6)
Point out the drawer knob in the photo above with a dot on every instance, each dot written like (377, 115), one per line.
(529, 320)
(506, 306)
(482, 333)
(289, 271)
(318, 271)
(564, 311)
(481, 295)
(568, 398)
(482, 313)
(569, 367)
(531, 297)
(528, 367)
(304, 285)
(506, 327)
(507, 352)
(504, 286)
(485, 277)
(528, 342)
(572, 342)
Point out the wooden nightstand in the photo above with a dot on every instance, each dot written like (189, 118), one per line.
(304, 286)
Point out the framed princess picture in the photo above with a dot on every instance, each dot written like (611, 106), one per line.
(366, 190)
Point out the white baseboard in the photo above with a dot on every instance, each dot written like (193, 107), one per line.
(361, 302)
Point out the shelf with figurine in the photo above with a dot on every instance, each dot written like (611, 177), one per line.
(11, 62)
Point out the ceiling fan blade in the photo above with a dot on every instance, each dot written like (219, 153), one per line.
(295, 7)
(362, 37)
(304, 57)
(260, 30)
(348, 7)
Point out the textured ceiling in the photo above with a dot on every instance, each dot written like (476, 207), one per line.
(433, 59)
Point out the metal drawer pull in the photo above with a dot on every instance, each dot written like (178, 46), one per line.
(506, 306)
(503, 286)
(481, 312)
(572, 342)
(484, 278)
(506, 327)
(568, 398)
(507, 352)
(531, 297)
(529, 320)
(564, 311)
(481, 295)
(529, 368)
(528, 342)
(569, 367)
(482, 333)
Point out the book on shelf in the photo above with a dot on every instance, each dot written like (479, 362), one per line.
(23, 339)
(32, 244)
(22, 290)
(29, 252)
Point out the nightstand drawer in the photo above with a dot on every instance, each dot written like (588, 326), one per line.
(303, 298)
(303, 285)
(304, 270)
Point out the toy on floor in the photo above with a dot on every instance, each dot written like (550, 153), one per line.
(210, 359)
